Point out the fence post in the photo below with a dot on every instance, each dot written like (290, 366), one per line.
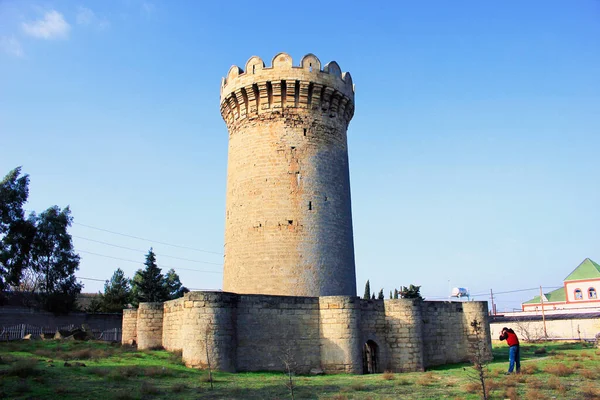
(22, 331)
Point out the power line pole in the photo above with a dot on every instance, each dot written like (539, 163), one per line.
(543, 315)
(493, 305)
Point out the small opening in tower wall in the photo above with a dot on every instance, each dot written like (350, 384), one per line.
(310, 67)
(290, 221)
(309, 205)
(304, 131)
(253, 68)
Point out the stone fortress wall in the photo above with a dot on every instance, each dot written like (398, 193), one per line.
(254, 332)
(288, 227)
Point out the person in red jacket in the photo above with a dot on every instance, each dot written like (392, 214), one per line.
(513, 351)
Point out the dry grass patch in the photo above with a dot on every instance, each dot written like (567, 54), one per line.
(426, 379)
(357, 387)
(179, 387)
(529, 369)
(588, 373)
(534, 394)
(472, 387)
(534, 383)
(388, 376)
(23, 368)
(558, 369)
(511, 393)
(590, 391)
(540, 350)
(339, 397)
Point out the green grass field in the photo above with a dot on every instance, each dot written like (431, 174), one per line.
(94, 370)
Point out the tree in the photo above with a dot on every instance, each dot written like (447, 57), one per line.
(396, 294)
(16, 233)
(117, 294)
(479, 358)
(148, 283)
(367, 294)
(380, 296)
(391, 297)
(53, 257)
(173, 285)
(411, 292)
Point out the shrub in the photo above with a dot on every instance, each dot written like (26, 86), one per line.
(540, 350)
(357, 386)
(388, 375)
(157, 372)
(176, 358)
(558, 369)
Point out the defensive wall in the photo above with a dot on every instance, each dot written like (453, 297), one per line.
(333, 333)
(21, 315)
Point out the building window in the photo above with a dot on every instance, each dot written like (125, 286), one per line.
(592, 293)
(578, 294)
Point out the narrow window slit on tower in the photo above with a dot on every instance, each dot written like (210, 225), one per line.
(290, 221)
(253, 69)
(310, 206)
(256, 95)
(310, 93)
(310, 67)
(304, 131)
(296, 93)
(283, 93)
(270, 93)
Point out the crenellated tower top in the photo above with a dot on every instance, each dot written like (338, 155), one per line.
(282, 86)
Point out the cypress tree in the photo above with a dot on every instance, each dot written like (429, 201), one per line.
(367, 294)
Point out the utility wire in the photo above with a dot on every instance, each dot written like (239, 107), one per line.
(104, 280)
(139, 262)
(142, 251)
(146, 240)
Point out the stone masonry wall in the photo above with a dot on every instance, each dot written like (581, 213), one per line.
(173, 325)
(404, 335)
(341, 350)
(271, 329)
(447, 334)
(257, 332)
(150, 325)
(129, 327)
(209, 330)
(288, 226)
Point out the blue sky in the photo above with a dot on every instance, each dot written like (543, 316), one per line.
(473, 149)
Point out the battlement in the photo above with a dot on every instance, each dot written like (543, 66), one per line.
(282, 86)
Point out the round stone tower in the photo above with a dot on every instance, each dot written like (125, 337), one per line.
(288, 228)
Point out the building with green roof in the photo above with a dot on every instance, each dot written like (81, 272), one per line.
(580, 290)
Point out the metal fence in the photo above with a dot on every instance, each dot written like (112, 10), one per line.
(20, 331)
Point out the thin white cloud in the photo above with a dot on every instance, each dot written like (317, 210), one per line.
(87, 17)
(52, 26)
(149, 8)
(11, 46)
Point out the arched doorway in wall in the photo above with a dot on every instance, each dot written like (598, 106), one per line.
(370, 357)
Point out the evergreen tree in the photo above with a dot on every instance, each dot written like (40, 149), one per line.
(396, 294)
(53, 257)
(373, 297)
(173, 285)
(117, 293)
(16, 233)
(391, 295)
(367, 294)
(149, 285)
(380, 296)
(411, 292)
